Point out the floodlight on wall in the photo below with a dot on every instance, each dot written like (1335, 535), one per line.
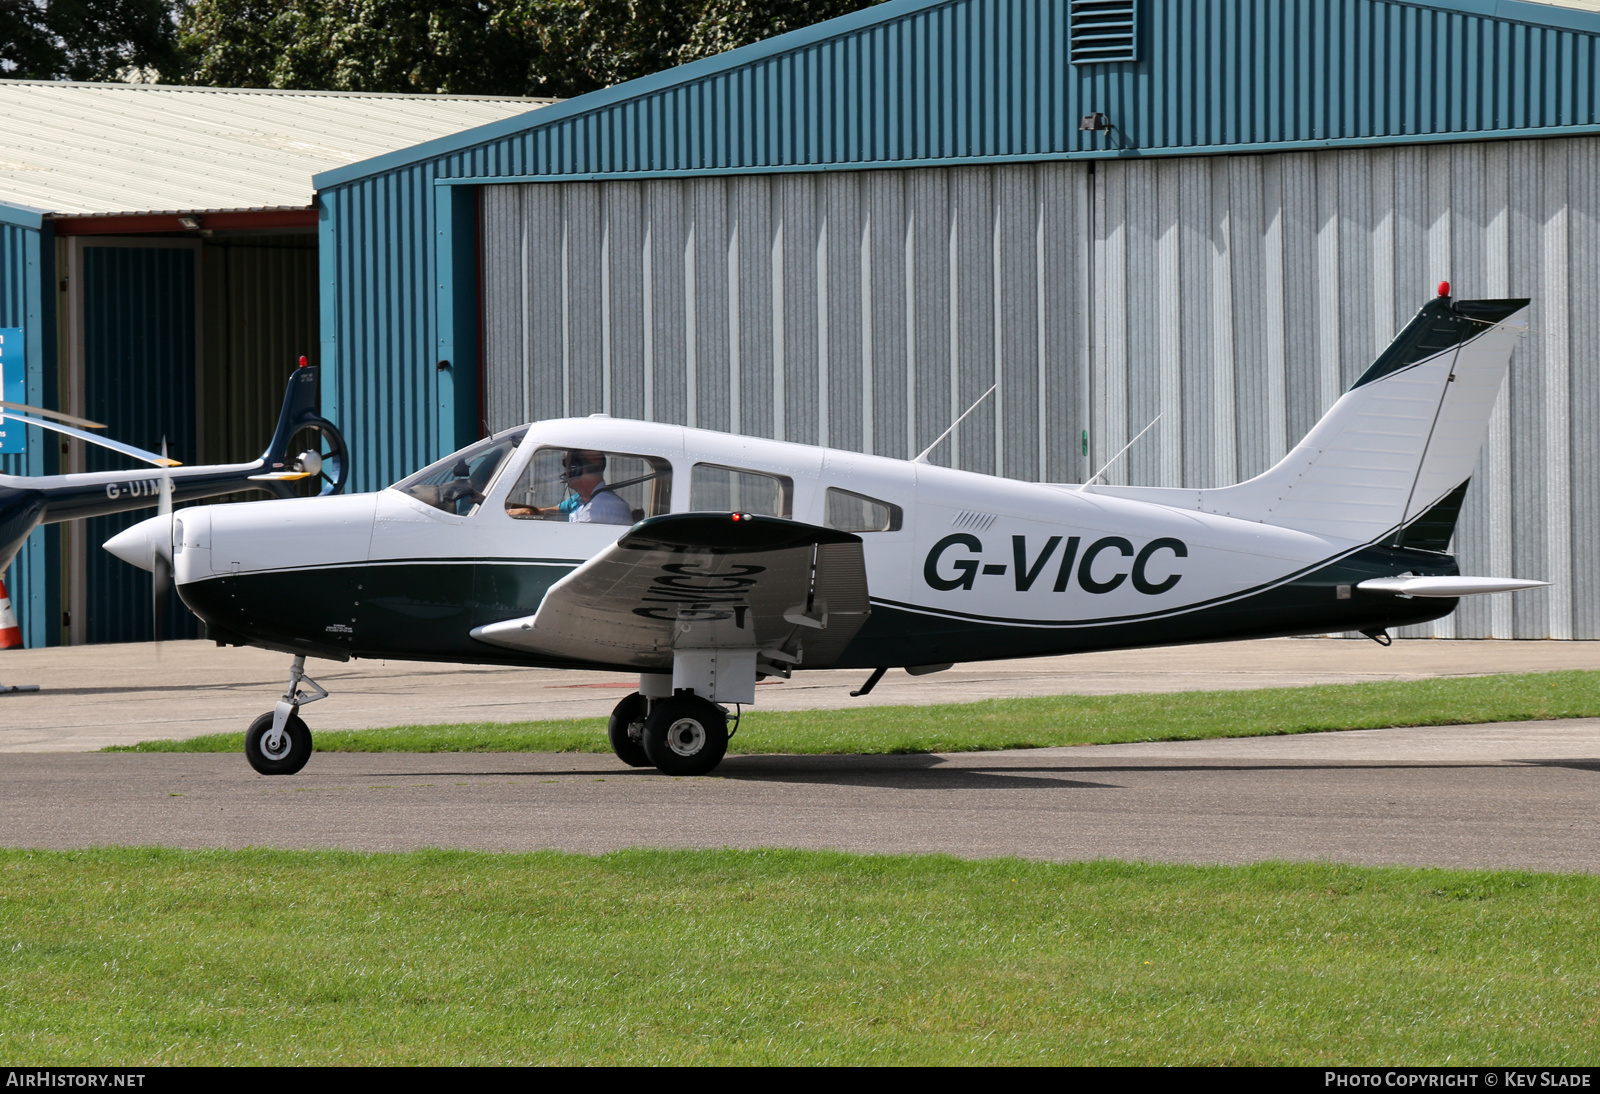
(191, 223)
(1094, 123)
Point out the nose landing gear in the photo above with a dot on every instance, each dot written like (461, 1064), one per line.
(278, 742)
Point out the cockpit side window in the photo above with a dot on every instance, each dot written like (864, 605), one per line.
(590, 486)
(848, 511)
(457, 483)
(717, 489)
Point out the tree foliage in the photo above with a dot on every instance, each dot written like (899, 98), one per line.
(97, 40)
(557, 48)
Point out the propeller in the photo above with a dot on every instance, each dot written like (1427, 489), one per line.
(161, 553)
(322, 466)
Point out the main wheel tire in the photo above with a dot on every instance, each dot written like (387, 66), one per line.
(686, 735)
(291, 756)
(626, 730)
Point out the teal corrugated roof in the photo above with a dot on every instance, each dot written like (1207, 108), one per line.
(944, 81)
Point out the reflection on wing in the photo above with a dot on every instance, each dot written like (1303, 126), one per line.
(796, 592)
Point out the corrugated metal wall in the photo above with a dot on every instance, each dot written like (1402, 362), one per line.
(862, 310)
(259, 312)
(139, 379)
(1240, 295)
(377, 270)
(23, 304)
(911, 82)
(1236, 296)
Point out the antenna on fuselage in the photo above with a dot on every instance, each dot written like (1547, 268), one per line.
(1090, 480)
(922, 457)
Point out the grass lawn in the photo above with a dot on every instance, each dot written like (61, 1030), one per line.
(138, 956)
(1025, 723)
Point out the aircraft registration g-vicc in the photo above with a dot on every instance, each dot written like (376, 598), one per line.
(704, 561)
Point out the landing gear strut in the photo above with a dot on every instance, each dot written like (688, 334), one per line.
(278, 742)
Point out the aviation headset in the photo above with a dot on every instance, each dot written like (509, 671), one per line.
(578, 464)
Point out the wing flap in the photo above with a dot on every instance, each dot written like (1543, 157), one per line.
(702, 581)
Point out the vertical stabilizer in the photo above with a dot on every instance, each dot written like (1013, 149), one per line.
(1402, 440)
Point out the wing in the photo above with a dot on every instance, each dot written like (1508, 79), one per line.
(795, 592)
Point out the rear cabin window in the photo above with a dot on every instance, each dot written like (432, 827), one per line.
(589, 486)
(457, 483)
(717, 489)
(848, 511)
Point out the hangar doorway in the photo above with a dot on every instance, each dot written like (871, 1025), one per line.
(178, 338)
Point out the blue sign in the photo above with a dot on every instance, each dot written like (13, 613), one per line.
(13, 388)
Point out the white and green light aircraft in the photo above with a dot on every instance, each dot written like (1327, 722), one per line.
(704, 561)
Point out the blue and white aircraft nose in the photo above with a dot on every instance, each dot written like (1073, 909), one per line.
(136, 545)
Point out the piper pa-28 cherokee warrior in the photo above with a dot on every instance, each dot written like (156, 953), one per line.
(705, 561)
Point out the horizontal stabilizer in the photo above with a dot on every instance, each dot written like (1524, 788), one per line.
(793, 591)
(1447, 586)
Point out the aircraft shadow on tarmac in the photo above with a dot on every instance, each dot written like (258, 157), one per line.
(906, 772)
(930, 772)
(1573, 765)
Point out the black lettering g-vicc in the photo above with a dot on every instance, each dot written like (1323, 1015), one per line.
(966, 568)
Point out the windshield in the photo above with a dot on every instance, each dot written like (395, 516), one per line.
(456, 484)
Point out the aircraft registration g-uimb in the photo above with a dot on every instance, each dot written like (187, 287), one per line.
(705, 561)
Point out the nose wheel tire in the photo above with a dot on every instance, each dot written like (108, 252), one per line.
(686, 735)
(293, 751)
(626, 731)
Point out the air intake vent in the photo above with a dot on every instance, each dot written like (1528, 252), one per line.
(1104, 31)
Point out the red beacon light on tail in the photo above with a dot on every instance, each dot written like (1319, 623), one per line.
(304, 362)
(1444, 290)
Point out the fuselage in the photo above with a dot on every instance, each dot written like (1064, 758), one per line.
(960, 566)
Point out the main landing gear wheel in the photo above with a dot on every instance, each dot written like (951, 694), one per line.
(626, 730)
(686, 735)
(294, 747)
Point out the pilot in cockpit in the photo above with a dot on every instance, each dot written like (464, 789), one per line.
(583, 471)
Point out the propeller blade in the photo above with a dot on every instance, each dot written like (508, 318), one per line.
(56, 414)
(103, 442)
(160, 590)
(161, 553)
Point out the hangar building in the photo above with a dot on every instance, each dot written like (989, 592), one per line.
(1218, 211)
(158, 249)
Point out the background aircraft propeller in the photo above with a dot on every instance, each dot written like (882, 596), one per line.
(161, 555)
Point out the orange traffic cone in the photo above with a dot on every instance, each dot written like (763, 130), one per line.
(10, 632)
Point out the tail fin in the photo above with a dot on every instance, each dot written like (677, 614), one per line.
(1393, 455)
(300, 426)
